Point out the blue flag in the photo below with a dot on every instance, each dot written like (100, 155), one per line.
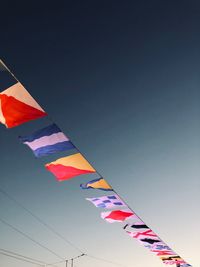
(47, 141)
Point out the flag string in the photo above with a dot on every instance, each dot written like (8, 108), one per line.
(100, 176)
(4, 65)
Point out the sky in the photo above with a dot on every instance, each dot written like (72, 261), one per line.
(121, 79)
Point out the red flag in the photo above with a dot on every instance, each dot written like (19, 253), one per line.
(117, 215)
(17, 106)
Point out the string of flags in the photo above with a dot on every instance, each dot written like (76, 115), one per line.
(17, 106)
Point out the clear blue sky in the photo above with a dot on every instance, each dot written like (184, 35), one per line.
(122, 80)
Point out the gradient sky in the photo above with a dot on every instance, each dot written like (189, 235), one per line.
(121, 78)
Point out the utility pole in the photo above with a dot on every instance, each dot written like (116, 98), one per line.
(72, 260)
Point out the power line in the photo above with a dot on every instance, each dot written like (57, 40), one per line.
(104, 260)
(26, 258)
(99, 259)
(40, 220)
(92, 257)
(32, 259)
(20, 255)
(51, 229)
(21, 259)
(30, 238)
(67, 260)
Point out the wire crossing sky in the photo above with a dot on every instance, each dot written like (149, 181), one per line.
(39, 220)
(135, 67)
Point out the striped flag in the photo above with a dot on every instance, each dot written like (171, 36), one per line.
(47, 141)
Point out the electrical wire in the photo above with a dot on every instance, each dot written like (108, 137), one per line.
(50, 228)
(21, 259)
(93, 257)
(20, 255)
(74, 258)
(104, 260)
(37, 218)
(28, 258)
(30, 238)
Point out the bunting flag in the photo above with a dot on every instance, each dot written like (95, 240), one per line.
(161, 249)
(150, 240)
(160, 246)
(17, 106)
(47, 141)
(137, 225)
(172, 260)
(145, 239)
(117, 215)
(69, 167)
(143, 234)
(107, 202)
(99, 183)
(163, 252)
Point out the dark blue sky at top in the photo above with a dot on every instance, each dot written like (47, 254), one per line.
(121, 78)
(104, 56)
